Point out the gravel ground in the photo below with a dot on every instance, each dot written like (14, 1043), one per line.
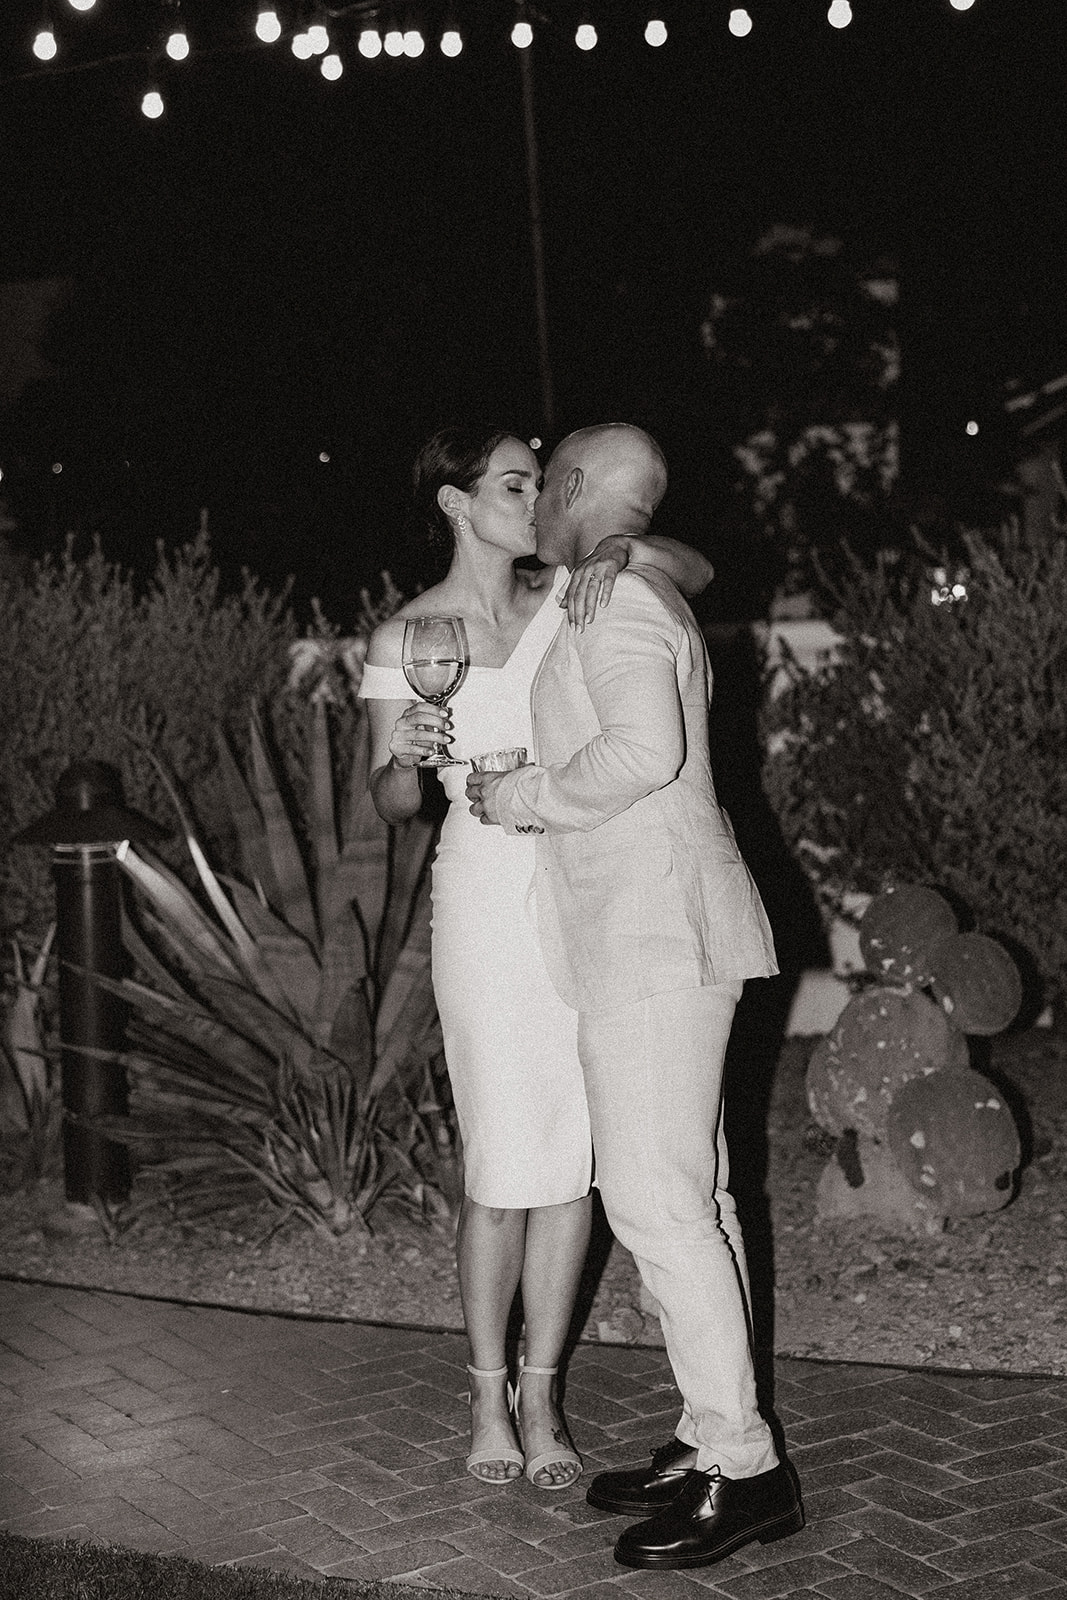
(987, 1294)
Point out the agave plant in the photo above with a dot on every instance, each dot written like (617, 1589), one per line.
(283, 1027)
(28, 1108)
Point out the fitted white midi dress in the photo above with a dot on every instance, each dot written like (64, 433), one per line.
(510, 1042)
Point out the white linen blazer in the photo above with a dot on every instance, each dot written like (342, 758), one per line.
(640, 886)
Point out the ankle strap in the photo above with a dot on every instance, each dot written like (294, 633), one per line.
(486, 1372)
(540, 1372)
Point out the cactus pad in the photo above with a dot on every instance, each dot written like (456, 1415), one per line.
(899, 928)
(954, 1138)
(883, 1038)
(976, 983)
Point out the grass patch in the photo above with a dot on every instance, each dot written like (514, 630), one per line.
(68, 1569)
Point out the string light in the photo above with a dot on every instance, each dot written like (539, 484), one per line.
(44, 46)
(268, 27)
(972, 427)
(410, 42)
(152, 104)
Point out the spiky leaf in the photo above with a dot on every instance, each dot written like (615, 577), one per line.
(295, 902)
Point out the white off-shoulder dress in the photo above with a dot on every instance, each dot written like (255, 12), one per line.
(510, 1042)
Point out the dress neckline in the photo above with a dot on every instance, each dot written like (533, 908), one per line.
(552, 592)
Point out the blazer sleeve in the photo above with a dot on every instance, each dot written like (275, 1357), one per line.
(628, 663)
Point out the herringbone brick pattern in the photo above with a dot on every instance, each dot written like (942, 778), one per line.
(337, 1448)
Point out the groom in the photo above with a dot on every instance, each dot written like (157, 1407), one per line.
(650, 923)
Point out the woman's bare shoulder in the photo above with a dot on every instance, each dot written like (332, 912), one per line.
(387, 641)
(425, 602)
(386, 644)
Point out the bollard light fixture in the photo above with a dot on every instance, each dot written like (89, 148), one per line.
(89, 819)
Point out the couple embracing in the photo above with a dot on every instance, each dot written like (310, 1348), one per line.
(593, 925)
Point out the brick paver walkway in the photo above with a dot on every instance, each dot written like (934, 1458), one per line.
(320, 1447)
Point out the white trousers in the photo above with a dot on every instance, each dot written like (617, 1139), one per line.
(653, 1075)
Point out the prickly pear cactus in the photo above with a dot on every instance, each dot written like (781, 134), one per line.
(883, 1038)
(882, 1192)
(920, 1137)
(954, 1138)
(976, 983)
(898, 930)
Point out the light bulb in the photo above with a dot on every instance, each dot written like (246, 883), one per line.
(394, 42)
(961, 5)
(318, 38)
(301, 47)
(451, 43)
(656, 33)
(585, 38)
(972, 427)
(82, 5)
(57, 467)
(44, 46)
(370, 43)
(152, 104)
(268, 28)
(331, 67)
(522, 36)
(178, 46)
(740, 23)
(414, 43)
(839, 14)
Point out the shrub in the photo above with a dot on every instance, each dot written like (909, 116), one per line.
(86, 660)
(934, 748)
(277, 1035)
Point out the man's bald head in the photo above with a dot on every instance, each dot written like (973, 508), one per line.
(600, 480)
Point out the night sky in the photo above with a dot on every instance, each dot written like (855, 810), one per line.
(282, 267)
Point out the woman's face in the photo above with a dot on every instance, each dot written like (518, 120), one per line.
(501, 507)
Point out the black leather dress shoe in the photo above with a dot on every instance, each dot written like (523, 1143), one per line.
(640, 1491)
(712, 1517)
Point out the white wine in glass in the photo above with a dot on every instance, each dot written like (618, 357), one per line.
(436, 658)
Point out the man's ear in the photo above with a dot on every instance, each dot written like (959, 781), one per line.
(573, 486)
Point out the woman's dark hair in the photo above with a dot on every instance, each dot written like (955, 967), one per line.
(457, 455)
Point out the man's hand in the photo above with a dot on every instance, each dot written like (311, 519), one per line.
(481, 792)
(593, 579)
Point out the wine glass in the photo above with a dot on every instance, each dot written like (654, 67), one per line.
(436, 658)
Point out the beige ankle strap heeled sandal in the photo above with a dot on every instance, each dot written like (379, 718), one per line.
(503, 1446)
(561, 1455)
